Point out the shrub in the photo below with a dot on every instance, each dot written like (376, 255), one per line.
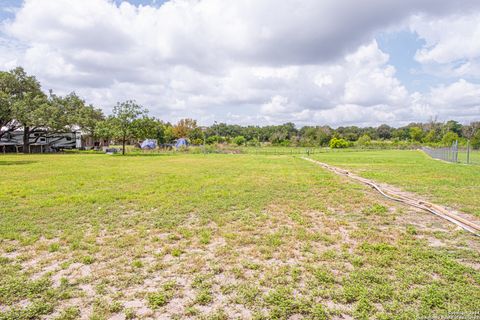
(253, 143)
(416, 133)
(239, 140)
(449, 138)
(476, 140)
(197, 142)
(364, 140)
(336, 143)
(213, 139)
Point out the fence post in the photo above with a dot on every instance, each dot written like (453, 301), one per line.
(468, 151)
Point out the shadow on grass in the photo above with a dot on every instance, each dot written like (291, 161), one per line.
(143, 154)
(14, 163)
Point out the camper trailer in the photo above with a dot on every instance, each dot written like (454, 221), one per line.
(40, 141)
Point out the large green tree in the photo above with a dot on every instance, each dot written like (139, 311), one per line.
(123, 124)
(24, 105)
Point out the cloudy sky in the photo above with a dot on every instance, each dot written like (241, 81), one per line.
(336, 62)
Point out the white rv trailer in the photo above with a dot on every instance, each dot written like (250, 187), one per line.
(40, 141)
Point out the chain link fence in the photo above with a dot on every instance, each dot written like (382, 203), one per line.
(454, 154)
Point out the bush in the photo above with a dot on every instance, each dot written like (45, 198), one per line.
(253, 143)
(364, 140)
(416, 134)
(239, 140)
(336, 143)
(449, 138)
(215, 139)
(476, 140)
(197, 142)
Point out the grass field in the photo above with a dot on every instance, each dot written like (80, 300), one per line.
(224, 236)
(455, 185)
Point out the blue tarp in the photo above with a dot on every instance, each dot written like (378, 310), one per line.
(182, 142)
(149, 144)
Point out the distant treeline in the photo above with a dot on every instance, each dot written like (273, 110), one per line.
(23, 106)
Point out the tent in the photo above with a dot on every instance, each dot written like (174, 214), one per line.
(149, 144)
(182, 142)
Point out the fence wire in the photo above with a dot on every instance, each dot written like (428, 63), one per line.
(454, 154)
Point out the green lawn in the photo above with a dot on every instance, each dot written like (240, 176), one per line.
(455, 185)
(223, 236)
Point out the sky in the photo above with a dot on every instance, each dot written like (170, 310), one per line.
(255, 62)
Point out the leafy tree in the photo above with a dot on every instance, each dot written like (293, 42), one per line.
(7, 122)
(401, 133)
(79, 115)
(416, 133)
(23, 103)
(105, 129)
(475, 140)
(470, 130)
(183, 128)
(449, 137)
(431, 136)
(169, 134)
(123, 121)
(384, 132)
(196, 134)
(454, 126)
(149, 128)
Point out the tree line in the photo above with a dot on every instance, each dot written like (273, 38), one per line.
(24, 106)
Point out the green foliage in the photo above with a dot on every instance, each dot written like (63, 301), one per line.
(123, 123)
(161, 298)
(130, 314)
(184, 128)
(54, 247)
(282, 303)
(384, 132)
(476, 140)
(70, 313)
(23, 104)
(416, 134)
(365, 140)
(204, 297)
(324, 275)
(137, 263)
(431, 137)
(295, 240)
(337, 143)
(88, 260)
(363, 309)
(376, 209)
(449, 138)
(239, 140)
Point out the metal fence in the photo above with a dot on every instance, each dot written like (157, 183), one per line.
(454, 154)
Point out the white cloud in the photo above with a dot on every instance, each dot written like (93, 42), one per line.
(244, 61)
(452, 46)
